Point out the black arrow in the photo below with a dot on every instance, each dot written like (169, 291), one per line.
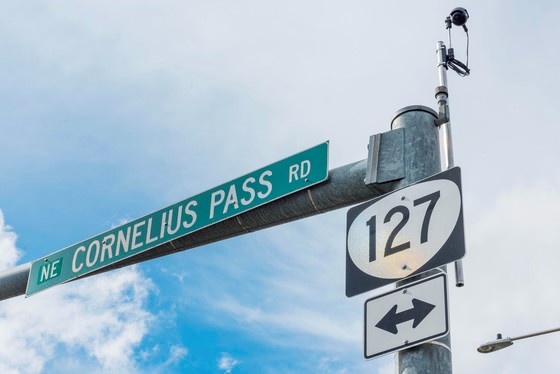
(420, 310)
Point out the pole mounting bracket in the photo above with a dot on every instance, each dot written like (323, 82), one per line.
(385, 162)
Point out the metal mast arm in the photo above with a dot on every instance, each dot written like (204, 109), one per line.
(344, 187)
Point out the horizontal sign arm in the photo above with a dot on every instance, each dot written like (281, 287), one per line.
(344, 187)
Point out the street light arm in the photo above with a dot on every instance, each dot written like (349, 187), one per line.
(535, 334)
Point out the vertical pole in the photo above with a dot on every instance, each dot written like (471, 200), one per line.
(444, 120)
(442, 95)
(421, 159)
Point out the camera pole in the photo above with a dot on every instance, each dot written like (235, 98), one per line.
(444, 122)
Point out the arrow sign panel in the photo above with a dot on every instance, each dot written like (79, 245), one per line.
(406, 316)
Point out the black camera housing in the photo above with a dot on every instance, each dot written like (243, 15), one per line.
(459, 16)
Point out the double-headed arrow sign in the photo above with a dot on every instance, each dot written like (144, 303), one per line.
(406, 316)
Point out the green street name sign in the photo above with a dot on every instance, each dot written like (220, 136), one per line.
(225, 201)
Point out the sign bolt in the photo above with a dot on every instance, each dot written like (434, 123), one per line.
(406, 342)
(404, 266)
(404, 291)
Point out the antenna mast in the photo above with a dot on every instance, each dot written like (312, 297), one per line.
(446, 59)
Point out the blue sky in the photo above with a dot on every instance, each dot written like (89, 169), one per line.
(112, 110)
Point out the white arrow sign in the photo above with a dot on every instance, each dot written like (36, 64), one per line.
(407, 316)
(404, 233)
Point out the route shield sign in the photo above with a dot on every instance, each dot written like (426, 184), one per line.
(405, 232)
(262, 186)
(406, 316)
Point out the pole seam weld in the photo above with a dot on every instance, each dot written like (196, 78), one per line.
(243, 227)
(440, 344)
(312, 202)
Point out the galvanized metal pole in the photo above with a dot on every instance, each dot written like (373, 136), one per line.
(422, 159)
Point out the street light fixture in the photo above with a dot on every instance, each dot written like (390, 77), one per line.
(495, 345)
(501, 343)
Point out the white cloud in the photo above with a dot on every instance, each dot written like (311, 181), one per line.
(388, 368)
(328, 72)
(120, 222)
(331, 365)
(104, 317)
(176, 354)
(149, 353)
(286, 288)
(294, 289)
(9, 254)
(227, 363)
(511, 272)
